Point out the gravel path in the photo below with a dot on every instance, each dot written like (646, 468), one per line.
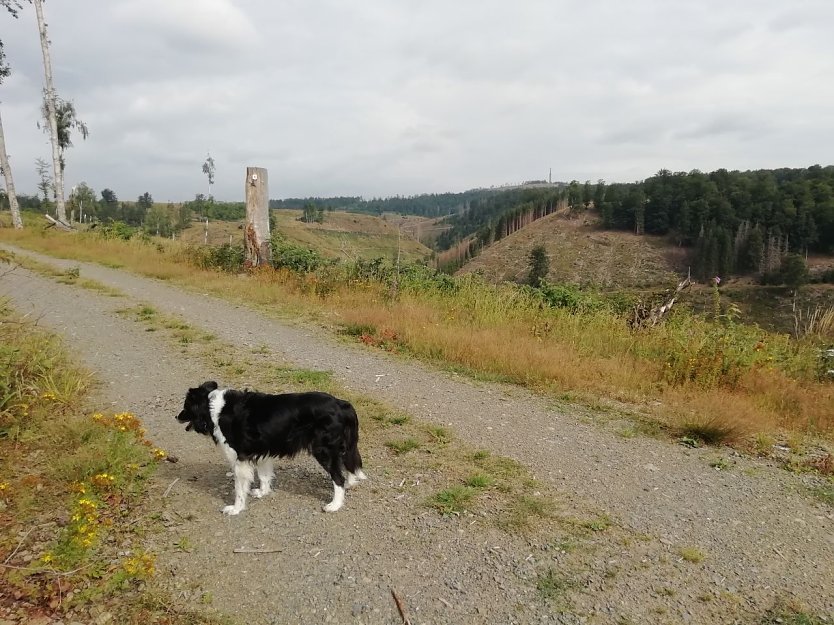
(763, 538)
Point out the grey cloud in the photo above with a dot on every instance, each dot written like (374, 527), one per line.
(641, 134)
(740, 126)
(379, 98)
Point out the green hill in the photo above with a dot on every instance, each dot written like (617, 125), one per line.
(341, 235)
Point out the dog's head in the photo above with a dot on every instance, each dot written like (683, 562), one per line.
(196, 411)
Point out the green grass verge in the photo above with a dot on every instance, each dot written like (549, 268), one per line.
(72, 493)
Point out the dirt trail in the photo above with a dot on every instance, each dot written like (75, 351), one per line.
(763, 538)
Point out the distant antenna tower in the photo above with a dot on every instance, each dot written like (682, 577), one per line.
(550, 176)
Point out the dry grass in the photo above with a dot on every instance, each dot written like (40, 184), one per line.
(691, 554)
(818, 322)
(688, 373)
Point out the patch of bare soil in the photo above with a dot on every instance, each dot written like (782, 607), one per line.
(633, 530)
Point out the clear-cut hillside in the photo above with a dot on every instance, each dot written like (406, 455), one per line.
(581, 253)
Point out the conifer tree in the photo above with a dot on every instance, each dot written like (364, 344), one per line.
(539, 265)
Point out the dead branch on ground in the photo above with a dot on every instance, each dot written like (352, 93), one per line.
(645, 317)
(400, 607)
(57, 223)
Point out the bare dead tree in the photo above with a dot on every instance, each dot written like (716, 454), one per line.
(5, 167)
(645, 317)
(49, 97)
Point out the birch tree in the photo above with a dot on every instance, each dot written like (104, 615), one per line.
(66, 121)
(52, 121)
(208, 170)
(44, 180)
(7, 174)
(13, 7)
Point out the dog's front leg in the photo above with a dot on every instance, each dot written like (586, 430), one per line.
(338, 498)
(244, 475)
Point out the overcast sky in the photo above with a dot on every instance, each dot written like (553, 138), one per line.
(378, 98)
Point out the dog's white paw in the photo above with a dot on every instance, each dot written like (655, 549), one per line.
(257, 493)
(361, 474)
(231, 510)
(333, 506)
(352, 480)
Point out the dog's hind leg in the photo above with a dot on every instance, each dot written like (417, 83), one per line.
(265, 472)
(353, 466)
(351, 456)
(333, 465)
(354, 478)
(244, 475)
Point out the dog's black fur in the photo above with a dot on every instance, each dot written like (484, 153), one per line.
(252, 427)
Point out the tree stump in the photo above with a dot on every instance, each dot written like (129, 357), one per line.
(256, 241)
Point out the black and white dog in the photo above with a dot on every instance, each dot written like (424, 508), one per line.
(254, 428)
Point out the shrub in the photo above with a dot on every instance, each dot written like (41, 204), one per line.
(226, 257)
(117, 230)
(417, 278)
(568, 296)
(295, 257)
(370, 270)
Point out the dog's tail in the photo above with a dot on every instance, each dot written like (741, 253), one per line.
(351, 458)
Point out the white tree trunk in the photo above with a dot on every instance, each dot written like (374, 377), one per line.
(7, 174)
(49, 96)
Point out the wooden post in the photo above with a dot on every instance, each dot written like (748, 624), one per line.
(256, 231)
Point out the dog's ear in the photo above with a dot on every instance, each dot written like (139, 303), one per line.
(209, 386)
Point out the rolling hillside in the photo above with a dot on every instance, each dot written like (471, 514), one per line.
(581, 253)
(342, 235)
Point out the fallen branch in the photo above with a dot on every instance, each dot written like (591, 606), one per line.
(170, 486)
(19, 545)
(58, 223)
(644, 317)
(400, 607)
(248, 550)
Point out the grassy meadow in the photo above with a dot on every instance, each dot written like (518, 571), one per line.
(342, 235)
(710, 378)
